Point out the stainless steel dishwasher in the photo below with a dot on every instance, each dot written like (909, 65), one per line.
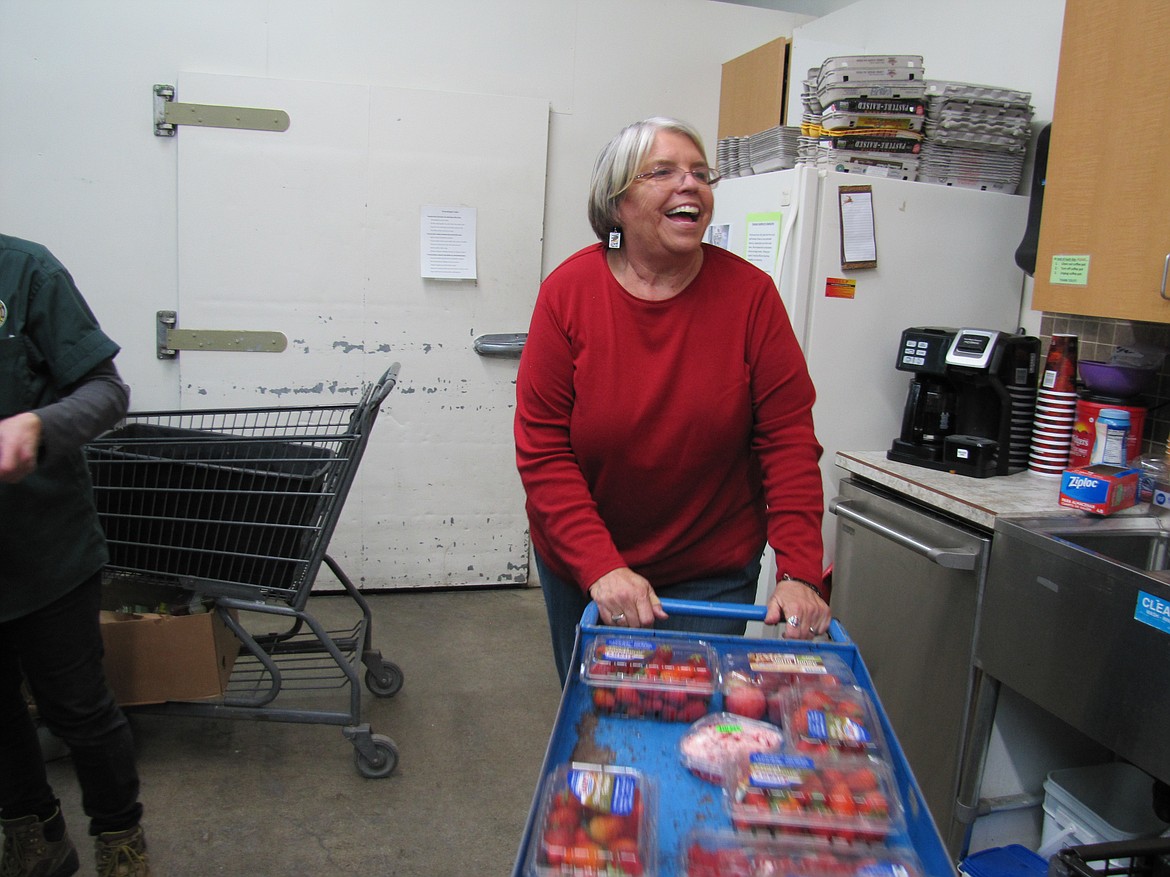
(907, 583)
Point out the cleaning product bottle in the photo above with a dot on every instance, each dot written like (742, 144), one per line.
(1112, 437)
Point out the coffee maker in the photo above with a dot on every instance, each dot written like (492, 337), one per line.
(971, 400)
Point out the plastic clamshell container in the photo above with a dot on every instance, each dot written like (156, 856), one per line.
(719, 737)
(594, 821)
(831, 720)
(774, 672)
(645, 677)
(710, 853)
(838, 800)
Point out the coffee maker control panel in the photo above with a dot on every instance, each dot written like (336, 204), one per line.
(924, 350)
(972, 348)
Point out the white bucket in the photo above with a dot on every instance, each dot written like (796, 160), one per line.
(1104, 802)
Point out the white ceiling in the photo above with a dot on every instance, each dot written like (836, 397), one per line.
(803, 7)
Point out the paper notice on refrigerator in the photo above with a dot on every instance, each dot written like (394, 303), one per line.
(762, 245)
(858, 240)
(448, 243)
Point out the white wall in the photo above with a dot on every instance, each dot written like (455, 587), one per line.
(1004, 43)
(81, 171)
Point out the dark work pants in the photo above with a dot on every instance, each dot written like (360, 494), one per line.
(59, 650)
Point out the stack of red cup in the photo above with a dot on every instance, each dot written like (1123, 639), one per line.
(1056, 408)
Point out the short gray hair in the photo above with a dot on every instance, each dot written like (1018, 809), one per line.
(620, 160)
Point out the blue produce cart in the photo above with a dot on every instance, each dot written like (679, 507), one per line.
(684, 801)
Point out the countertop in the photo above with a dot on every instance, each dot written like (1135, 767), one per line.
(976, 500)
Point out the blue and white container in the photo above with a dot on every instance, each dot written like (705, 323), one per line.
(1112, 437)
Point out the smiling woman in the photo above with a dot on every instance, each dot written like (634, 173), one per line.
(663, 420)
(663, 214)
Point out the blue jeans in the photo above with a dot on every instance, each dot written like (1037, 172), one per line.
(59, 648)
(565, 603)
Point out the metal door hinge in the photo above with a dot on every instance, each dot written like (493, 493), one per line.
(168, 115)
(172, 339)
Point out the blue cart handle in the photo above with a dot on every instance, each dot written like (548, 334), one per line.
(747, 612)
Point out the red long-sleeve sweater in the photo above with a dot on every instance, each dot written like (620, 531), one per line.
(672, 437)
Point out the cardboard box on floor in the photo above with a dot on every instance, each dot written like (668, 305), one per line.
(153, 658)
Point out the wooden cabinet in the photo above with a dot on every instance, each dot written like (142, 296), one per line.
(753, 90)
(1105, 230)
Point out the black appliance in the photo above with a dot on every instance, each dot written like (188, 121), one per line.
(971, 400)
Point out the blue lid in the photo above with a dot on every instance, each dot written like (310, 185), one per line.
(1010, 861)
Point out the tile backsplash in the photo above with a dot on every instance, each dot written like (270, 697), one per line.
(1097, 338)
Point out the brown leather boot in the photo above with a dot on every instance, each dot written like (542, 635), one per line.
(122, 853)
(28, 853)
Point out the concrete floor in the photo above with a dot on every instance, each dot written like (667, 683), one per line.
(241, 797)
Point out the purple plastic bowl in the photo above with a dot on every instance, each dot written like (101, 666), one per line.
(1116, 380)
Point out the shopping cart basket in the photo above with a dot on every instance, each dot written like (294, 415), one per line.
(1140, 857)
(238, 506)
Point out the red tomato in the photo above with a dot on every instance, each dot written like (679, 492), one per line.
(746, 700)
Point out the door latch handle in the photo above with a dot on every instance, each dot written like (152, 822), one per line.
(507, 346)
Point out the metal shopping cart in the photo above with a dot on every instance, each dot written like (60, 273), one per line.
(237, 507)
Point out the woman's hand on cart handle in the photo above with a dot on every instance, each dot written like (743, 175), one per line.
(625, 599)
(800, 607)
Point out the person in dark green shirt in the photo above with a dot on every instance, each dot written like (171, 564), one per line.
(58, 389)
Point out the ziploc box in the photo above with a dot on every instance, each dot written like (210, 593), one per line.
(1100, 489)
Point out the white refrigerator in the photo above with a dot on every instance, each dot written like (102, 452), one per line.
(944, 257)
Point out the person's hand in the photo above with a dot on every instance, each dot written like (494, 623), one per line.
(20, 439)
(805, 614)
(626, 599)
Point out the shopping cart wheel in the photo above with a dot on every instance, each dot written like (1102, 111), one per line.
(387, 682)
(384, 761)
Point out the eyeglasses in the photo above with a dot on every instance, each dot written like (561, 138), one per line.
(673, 176)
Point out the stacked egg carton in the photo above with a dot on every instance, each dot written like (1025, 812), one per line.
(864, 114)
(976, 136)
(773, 149)
(733, 157)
